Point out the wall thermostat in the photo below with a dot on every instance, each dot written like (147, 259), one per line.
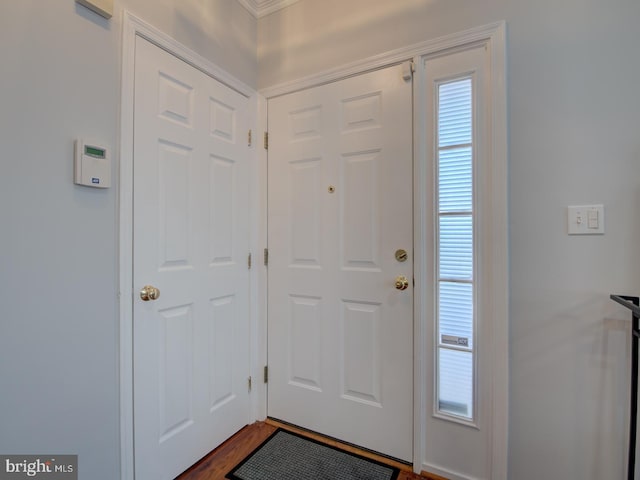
(92, 167)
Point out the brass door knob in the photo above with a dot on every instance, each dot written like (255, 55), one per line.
(149, 292)
(402, 282)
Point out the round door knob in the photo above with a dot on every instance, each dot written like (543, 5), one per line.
(149, 292)
(402, 282)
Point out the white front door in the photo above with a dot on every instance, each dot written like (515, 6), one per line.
(190, 237)
(340, 334)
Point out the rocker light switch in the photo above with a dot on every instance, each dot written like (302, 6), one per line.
(585, 220)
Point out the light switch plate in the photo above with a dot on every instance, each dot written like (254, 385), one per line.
(101, 7)
(585, 220)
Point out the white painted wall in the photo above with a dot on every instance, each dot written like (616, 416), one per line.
(574, 116)
(60, 79)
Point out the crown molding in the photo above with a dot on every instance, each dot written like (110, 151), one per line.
(260, 8)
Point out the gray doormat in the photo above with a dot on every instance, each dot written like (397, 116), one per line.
(289, 456)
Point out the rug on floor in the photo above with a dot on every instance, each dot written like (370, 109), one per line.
(289, 456)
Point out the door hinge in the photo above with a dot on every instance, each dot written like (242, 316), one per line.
(266, 373)
(249, 138)
(266, 257)
(249, 261)
(266, 140)
(249, 384)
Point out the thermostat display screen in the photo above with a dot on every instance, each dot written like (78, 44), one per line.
(94, 152)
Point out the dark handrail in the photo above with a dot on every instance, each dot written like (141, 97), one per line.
(627, 302)
(632, 303)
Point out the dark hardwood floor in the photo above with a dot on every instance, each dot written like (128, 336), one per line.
(219, 462)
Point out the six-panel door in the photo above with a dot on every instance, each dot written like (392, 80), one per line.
(340, 334)
(191, 344)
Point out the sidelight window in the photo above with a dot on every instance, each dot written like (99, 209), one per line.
(455, 313)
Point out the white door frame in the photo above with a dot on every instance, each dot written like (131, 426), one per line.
(493, 35)
(132, 27)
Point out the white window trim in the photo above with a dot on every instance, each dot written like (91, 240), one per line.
(493, 194)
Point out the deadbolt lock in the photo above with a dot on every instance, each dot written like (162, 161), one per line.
(401, 255)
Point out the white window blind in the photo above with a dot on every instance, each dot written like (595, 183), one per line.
(455, 249)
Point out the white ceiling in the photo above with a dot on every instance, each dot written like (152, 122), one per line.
(260, 8)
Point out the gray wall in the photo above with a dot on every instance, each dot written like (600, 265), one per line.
(574, 113)
(60, 79)
(574, 121)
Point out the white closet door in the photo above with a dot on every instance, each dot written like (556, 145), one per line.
(191, 345)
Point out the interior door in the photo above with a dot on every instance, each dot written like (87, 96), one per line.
(340, 330)
(191, 344)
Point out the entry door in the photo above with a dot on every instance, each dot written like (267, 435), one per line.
(340, 333)
(191, 355)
